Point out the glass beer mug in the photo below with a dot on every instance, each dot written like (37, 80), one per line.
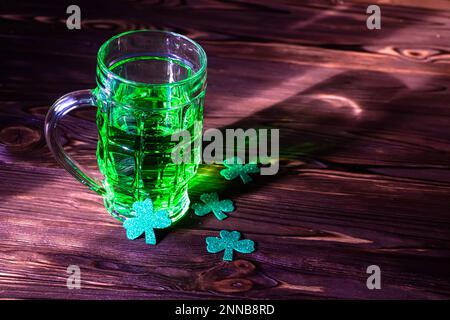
(150, 85)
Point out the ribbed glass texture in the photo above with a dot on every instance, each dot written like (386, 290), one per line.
(151, 84)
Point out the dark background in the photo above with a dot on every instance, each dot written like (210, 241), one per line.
(364, 176)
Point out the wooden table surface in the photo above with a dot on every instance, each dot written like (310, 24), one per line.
(364, 178)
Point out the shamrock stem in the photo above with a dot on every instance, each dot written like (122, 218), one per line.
(228, 255)
(150, 237)
(245, 177)
(219, 214)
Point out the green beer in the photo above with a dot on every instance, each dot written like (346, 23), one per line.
(150, 85)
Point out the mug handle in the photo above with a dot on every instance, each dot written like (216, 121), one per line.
(67, 103)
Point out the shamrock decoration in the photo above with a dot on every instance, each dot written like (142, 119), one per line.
(229, 241)
(145, 221)
(213, 204)
(235, 168)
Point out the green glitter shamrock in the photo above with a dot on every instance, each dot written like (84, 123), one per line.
(213, 204)
(235, 168)
(146, 220)
(229, 241)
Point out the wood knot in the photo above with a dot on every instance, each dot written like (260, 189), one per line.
(232, 285)
(112, 25)
(244, 267)
(418, 54)
(227, 277)
(19, 137)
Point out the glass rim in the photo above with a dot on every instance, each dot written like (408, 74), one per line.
(101, 55)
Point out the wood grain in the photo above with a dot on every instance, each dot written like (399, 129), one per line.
(364, 175)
